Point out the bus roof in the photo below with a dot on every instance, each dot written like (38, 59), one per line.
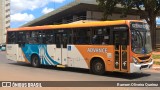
(74, 25)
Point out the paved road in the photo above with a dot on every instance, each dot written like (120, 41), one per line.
(12, 71)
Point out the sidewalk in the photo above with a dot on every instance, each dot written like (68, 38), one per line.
(156, 67)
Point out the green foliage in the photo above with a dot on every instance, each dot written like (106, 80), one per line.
(156, 56)
(156, 62)
(149, 6)
(156, 59)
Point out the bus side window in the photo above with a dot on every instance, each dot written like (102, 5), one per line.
(82, 36)
(94, 39)
(21, 37)
(28, 36)
(105, 40)
(33, 37)
(12, 39)
(50, 37)
(41, 37)
(101, 36)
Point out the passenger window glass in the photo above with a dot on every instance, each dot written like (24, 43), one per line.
(101, 36)
(12, 39)
(34, 37)
(82, 36)
(50, 37)
(21, 37)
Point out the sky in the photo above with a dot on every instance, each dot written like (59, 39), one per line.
(158, 20)
(23, 11)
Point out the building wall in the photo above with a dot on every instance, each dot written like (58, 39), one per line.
(4, 19)
(1, 22)
(95, 16)
(99, 16)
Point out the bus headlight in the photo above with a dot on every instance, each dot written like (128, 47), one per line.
(135, 60)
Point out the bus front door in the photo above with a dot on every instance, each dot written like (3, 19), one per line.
(61, 48)
(120, 41)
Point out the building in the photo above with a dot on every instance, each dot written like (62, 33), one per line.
(78, 10)
(4, 19)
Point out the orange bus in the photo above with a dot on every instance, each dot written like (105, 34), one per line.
(120, 46)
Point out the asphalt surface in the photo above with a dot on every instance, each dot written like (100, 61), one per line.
(13, 71)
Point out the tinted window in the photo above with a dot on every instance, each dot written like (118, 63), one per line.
(12, 39)
(34, 37)
(21, 37)
(82, 36)
(49, 37)
(101, 36)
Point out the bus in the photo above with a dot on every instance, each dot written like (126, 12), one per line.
(100, 46)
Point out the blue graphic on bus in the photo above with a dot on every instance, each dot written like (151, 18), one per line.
(41, 51)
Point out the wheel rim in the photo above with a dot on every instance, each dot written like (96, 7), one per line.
(35, 61)
(98, 67)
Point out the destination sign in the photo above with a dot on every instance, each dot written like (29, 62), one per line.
(139, 25)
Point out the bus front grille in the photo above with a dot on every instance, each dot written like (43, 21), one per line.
(144, 66)
(144, 58)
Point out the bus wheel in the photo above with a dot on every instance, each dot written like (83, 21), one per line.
(35, 61)
(98, 67)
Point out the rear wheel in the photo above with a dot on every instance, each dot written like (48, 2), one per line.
(35, 61)
(98, 67)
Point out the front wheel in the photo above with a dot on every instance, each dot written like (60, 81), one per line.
(98, 67)
(35, 61)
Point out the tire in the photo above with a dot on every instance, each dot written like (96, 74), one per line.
(35, 61)
(98, 67)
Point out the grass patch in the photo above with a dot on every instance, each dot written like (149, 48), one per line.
(156, 62)
(156, 56)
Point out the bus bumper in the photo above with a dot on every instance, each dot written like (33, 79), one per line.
(140, 67)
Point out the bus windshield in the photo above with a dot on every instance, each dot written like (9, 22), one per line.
(141, 38)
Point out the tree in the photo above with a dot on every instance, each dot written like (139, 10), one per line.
(147, 9)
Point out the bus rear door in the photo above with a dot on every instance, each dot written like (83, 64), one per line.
(21, 43)
(61, 48)
(120, 41)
